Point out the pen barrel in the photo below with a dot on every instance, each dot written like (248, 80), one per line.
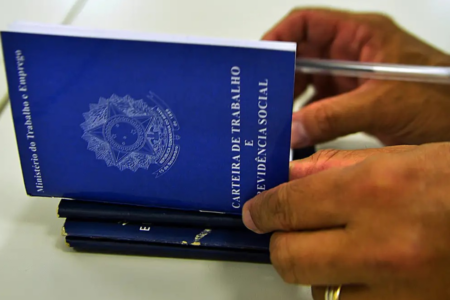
(428, 74)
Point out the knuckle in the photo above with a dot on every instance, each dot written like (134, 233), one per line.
(412, 258)
(307, 264)
(281, 258)
(280, 207)
(303, 11)
(325, 118)
(364, 29)
(387, 178)
(292, 262)
(324, 155)
(403, 258)
(379, 18)
(372, 39)
(298, 13)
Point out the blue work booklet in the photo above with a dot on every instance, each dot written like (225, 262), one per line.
(173, 235)
(127, 229)
(120, 213)
(172, 122)
(167, 241)
(82, 244)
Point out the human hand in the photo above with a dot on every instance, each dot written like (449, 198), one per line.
(375, 221)
(394, 112)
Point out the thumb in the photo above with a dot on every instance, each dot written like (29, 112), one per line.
(334, 117)
(331, 158)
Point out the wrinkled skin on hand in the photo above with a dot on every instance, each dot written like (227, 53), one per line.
(394, 112)
(375, 221)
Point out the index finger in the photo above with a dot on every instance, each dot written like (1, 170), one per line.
(316, 202)
(298, 25)
(323, 33)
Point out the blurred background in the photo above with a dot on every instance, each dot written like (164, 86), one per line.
(34, 263)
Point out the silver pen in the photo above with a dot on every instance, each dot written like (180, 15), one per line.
(381, 71)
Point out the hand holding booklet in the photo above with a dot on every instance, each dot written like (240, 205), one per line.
(194, 125)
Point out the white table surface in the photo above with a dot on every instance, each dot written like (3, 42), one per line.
(45, 11)
(34, 261)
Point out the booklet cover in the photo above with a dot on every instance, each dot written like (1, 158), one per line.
(108, 212)
(172, 235)
(81, 244)
(160, 121)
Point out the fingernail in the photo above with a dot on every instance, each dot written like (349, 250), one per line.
(248, 221)
(299, 138)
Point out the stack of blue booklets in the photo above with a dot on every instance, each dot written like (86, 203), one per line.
(153, 143)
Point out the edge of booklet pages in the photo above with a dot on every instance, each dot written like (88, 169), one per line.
(67, 30)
